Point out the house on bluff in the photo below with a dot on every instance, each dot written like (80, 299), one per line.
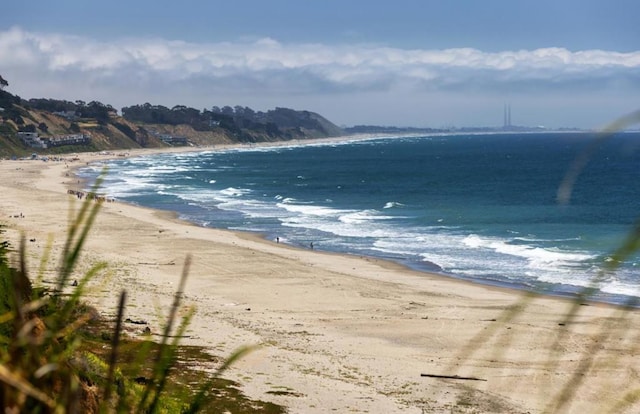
(31, 139)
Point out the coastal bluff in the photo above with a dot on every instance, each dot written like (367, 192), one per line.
(52, 126)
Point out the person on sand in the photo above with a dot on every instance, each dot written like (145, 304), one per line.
(311, 245)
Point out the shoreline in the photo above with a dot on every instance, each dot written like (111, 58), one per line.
(341, 332)
(559, 290)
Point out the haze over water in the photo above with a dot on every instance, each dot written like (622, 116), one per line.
(479, 207)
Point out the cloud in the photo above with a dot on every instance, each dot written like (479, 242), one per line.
(129, 71)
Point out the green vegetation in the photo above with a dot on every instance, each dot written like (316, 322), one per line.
(146, 125)
(243, 123)
(58, 356)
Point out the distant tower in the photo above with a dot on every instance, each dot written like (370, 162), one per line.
(504, 116)
(507, 116)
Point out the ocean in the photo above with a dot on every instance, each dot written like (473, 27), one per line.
(477, 207)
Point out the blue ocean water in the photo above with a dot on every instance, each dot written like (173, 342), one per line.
(478, 207)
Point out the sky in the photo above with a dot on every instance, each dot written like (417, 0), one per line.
(429, 63)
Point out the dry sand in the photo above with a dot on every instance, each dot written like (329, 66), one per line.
(337, 333)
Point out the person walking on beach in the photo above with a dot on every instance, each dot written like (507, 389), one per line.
(311, 245)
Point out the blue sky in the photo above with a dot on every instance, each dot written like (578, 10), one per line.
(407, 63)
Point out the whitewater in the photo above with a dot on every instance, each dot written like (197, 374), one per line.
(477, 207)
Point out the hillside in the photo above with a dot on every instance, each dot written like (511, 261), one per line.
(49, 126)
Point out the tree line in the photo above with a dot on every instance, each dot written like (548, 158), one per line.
(239, 122)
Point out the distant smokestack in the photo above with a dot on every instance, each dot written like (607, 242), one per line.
(507, 116)
(504, 115)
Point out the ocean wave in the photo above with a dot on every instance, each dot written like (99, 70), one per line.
(168, 168)
(235, 192)
(392, 204)
(200, 196)
(336, 229)
(536, 257)
(251, 208)
(312, 210)
(541, 240)
(356, 224)
(617, 287)
(130, 186)
(292, 201)
(364, 216)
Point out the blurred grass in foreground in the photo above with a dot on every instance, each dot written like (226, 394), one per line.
(57, 356)
(614, 331)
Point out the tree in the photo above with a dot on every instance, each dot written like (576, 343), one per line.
(28, 128)
(238, 110)
(272, 129)
(3, 83)
(97, 110)
(43, 127)
(249, 113)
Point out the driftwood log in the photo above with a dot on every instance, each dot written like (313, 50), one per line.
(456, 377)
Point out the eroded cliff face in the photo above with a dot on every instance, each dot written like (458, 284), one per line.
(52, 119)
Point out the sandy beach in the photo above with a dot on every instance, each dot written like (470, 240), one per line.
(338, 333)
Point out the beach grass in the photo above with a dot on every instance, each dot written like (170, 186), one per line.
(57, 355)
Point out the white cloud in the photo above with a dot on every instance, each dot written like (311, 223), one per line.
(130, 71)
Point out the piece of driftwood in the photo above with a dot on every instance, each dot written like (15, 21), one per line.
(456, 377)
(169, 263)
(137, 322)
(175, 336)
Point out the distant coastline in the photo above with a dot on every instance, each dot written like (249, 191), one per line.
(50, 126)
